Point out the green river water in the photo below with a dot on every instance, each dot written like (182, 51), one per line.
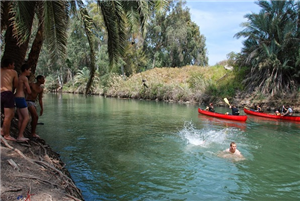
(144, 150)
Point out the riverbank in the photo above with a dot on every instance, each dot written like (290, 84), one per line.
(189, 84)
(33, 170)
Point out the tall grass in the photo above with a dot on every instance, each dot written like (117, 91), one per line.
(186, 84)
(190, 83)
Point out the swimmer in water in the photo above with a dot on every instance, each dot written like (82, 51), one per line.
(233, 149)
(232, 152)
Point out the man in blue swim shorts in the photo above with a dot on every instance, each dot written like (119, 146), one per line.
(20, 102)
(22, 89)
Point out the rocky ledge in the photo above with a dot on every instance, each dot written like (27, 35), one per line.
(33, 171)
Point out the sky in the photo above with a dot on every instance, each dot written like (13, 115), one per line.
(219, 21)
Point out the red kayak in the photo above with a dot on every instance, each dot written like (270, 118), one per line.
(223, 116)
(273, 116)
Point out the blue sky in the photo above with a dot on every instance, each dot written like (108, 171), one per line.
(219, 21)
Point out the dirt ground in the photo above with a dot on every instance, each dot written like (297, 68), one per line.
(32, 170)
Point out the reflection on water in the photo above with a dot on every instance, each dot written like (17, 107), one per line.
(141, 150)
(223, 122)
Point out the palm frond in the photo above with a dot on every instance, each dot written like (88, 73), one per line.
(271, 46)
(3, 13)
(73, 8)
(22, 13)
(113, 16)
(56, 21)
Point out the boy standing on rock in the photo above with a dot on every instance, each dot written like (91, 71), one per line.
(37, 90)
(9, 81)
(23, 87)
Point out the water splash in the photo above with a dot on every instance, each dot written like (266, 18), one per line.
(206, 136)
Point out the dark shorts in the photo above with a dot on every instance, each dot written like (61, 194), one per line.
(20, 102)
(7, 99)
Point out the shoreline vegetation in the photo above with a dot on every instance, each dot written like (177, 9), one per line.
(189, 84)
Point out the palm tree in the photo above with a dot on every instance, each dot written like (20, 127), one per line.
(52, 24)
(53, 18)
(272, 47)
(82, 77)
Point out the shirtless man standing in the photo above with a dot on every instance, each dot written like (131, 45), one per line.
(37, 90)
(23, 87)
(9, 81)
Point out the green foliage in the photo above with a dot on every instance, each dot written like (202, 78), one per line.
(197, 81)
(52, 83)
(81, 79)
(118, 45)
(272, 46)
(232, 58)
(177, 84)
(134, 59)
(115, 21)
(173, 40)
(228, 90)
(212, 89)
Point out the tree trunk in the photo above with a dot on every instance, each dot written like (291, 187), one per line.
(91, 40)
(36, 49)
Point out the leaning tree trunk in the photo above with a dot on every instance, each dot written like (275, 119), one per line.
(87, 21)
(36, 47)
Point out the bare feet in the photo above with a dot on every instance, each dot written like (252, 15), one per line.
(9, 138)
(36, 135)
(22, 139)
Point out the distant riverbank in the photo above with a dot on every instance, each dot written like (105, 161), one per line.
(190, 84)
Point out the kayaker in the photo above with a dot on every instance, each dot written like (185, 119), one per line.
(233, 150)
(289, 112)
(210, 107)
(283, 110)
(258, 108)
(277, 113)
(235, 111)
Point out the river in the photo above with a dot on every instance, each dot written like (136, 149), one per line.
(119, 149)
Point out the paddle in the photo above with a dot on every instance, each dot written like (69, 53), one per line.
(226, 101)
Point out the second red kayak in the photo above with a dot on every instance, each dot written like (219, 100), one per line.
(273, 116)
(223, 116)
